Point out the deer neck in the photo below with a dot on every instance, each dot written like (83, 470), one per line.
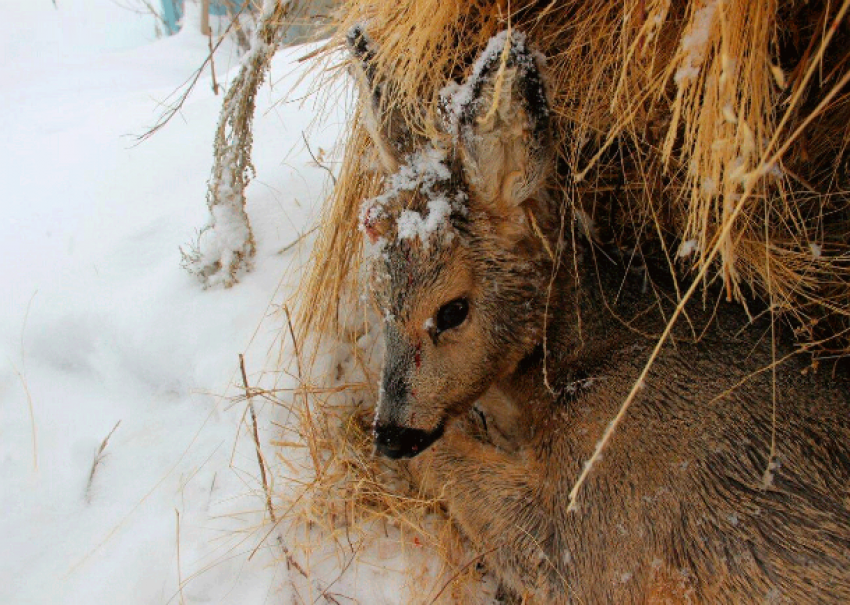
(580, 335)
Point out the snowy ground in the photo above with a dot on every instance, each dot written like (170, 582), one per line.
(100, 325)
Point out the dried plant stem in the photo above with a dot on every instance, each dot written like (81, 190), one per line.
(312, 437)
(256, 434)
(715, 250)
(174, 108)
(315, 159)
(179, 572)
(215, 87)
(98, 457)
(25, 386)
(22, 375)
(297, 240)
(767, 477)
(463, 568)
(206, 30)
(291, 562)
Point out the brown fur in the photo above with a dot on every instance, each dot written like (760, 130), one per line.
(678, 509)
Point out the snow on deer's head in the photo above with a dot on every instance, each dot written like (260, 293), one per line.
(459, 264)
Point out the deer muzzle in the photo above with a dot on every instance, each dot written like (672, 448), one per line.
(394, 441)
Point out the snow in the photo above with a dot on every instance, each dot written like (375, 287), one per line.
(709, 186)
(127, 472)
(687, 248)
(100, 324)
(456, 97)
(422, 171)
(226, 235)
(695, 43)
(412, 225)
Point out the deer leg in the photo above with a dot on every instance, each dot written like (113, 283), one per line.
(497, 499)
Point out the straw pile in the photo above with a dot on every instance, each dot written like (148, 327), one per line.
(708, 137)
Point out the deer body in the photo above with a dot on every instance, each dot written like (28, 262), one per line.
(679, 508)
(488, 303)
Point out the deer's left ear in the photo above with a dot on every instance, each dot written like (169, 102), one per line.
(385, 124)
(503, 129)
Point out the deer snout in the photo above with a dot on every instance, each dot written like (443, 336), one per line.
(395, 441)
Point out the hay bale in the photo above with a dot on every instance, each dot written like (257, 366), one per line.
(708, 136)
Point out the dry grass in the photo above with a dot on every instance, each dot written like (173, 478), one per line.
(666, 113)
(716, 126)
(334, 490)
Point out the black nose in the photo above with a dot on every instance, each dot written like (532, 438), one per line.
(395, 441)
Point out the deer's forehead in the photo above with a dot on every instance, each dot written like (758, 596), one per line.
(412, 279)
(418, 200)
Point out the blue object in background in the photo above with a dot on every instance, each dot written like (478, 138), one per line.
(172, 11)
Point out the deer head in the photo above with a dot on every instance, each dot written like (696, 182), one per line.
(459, 260)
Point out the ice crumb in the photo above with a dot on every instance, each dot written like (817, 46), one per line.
(729, 113)
(695, 42)
(767, 478)
(816, 249)
(687, 248)
(737, 169)
(773, 171)
(269, 6)
(579, 385)
(412, 225)
(455, 98)
(587, 225)
(374, 249)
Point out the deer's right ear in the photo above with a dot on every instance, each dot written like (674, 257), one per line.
(503, 129)
(386, 126)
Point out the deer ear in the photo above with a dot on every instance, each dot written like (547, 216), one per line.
(386, 126)
(503, 128)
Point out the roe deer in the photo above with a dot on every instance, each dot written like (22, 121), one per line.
(686, 503)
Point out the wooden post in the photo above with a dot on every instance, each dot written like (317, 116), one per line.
(205, 18)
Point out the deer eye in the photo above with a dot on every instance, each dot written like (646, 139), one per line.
(452, 314)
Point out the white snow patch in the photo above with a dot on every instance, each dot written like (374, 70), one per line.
(687, 248)
(456, 97)
(729, 113)
(422, 171)
(413, 225)
(695, 43)
(104, 325)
